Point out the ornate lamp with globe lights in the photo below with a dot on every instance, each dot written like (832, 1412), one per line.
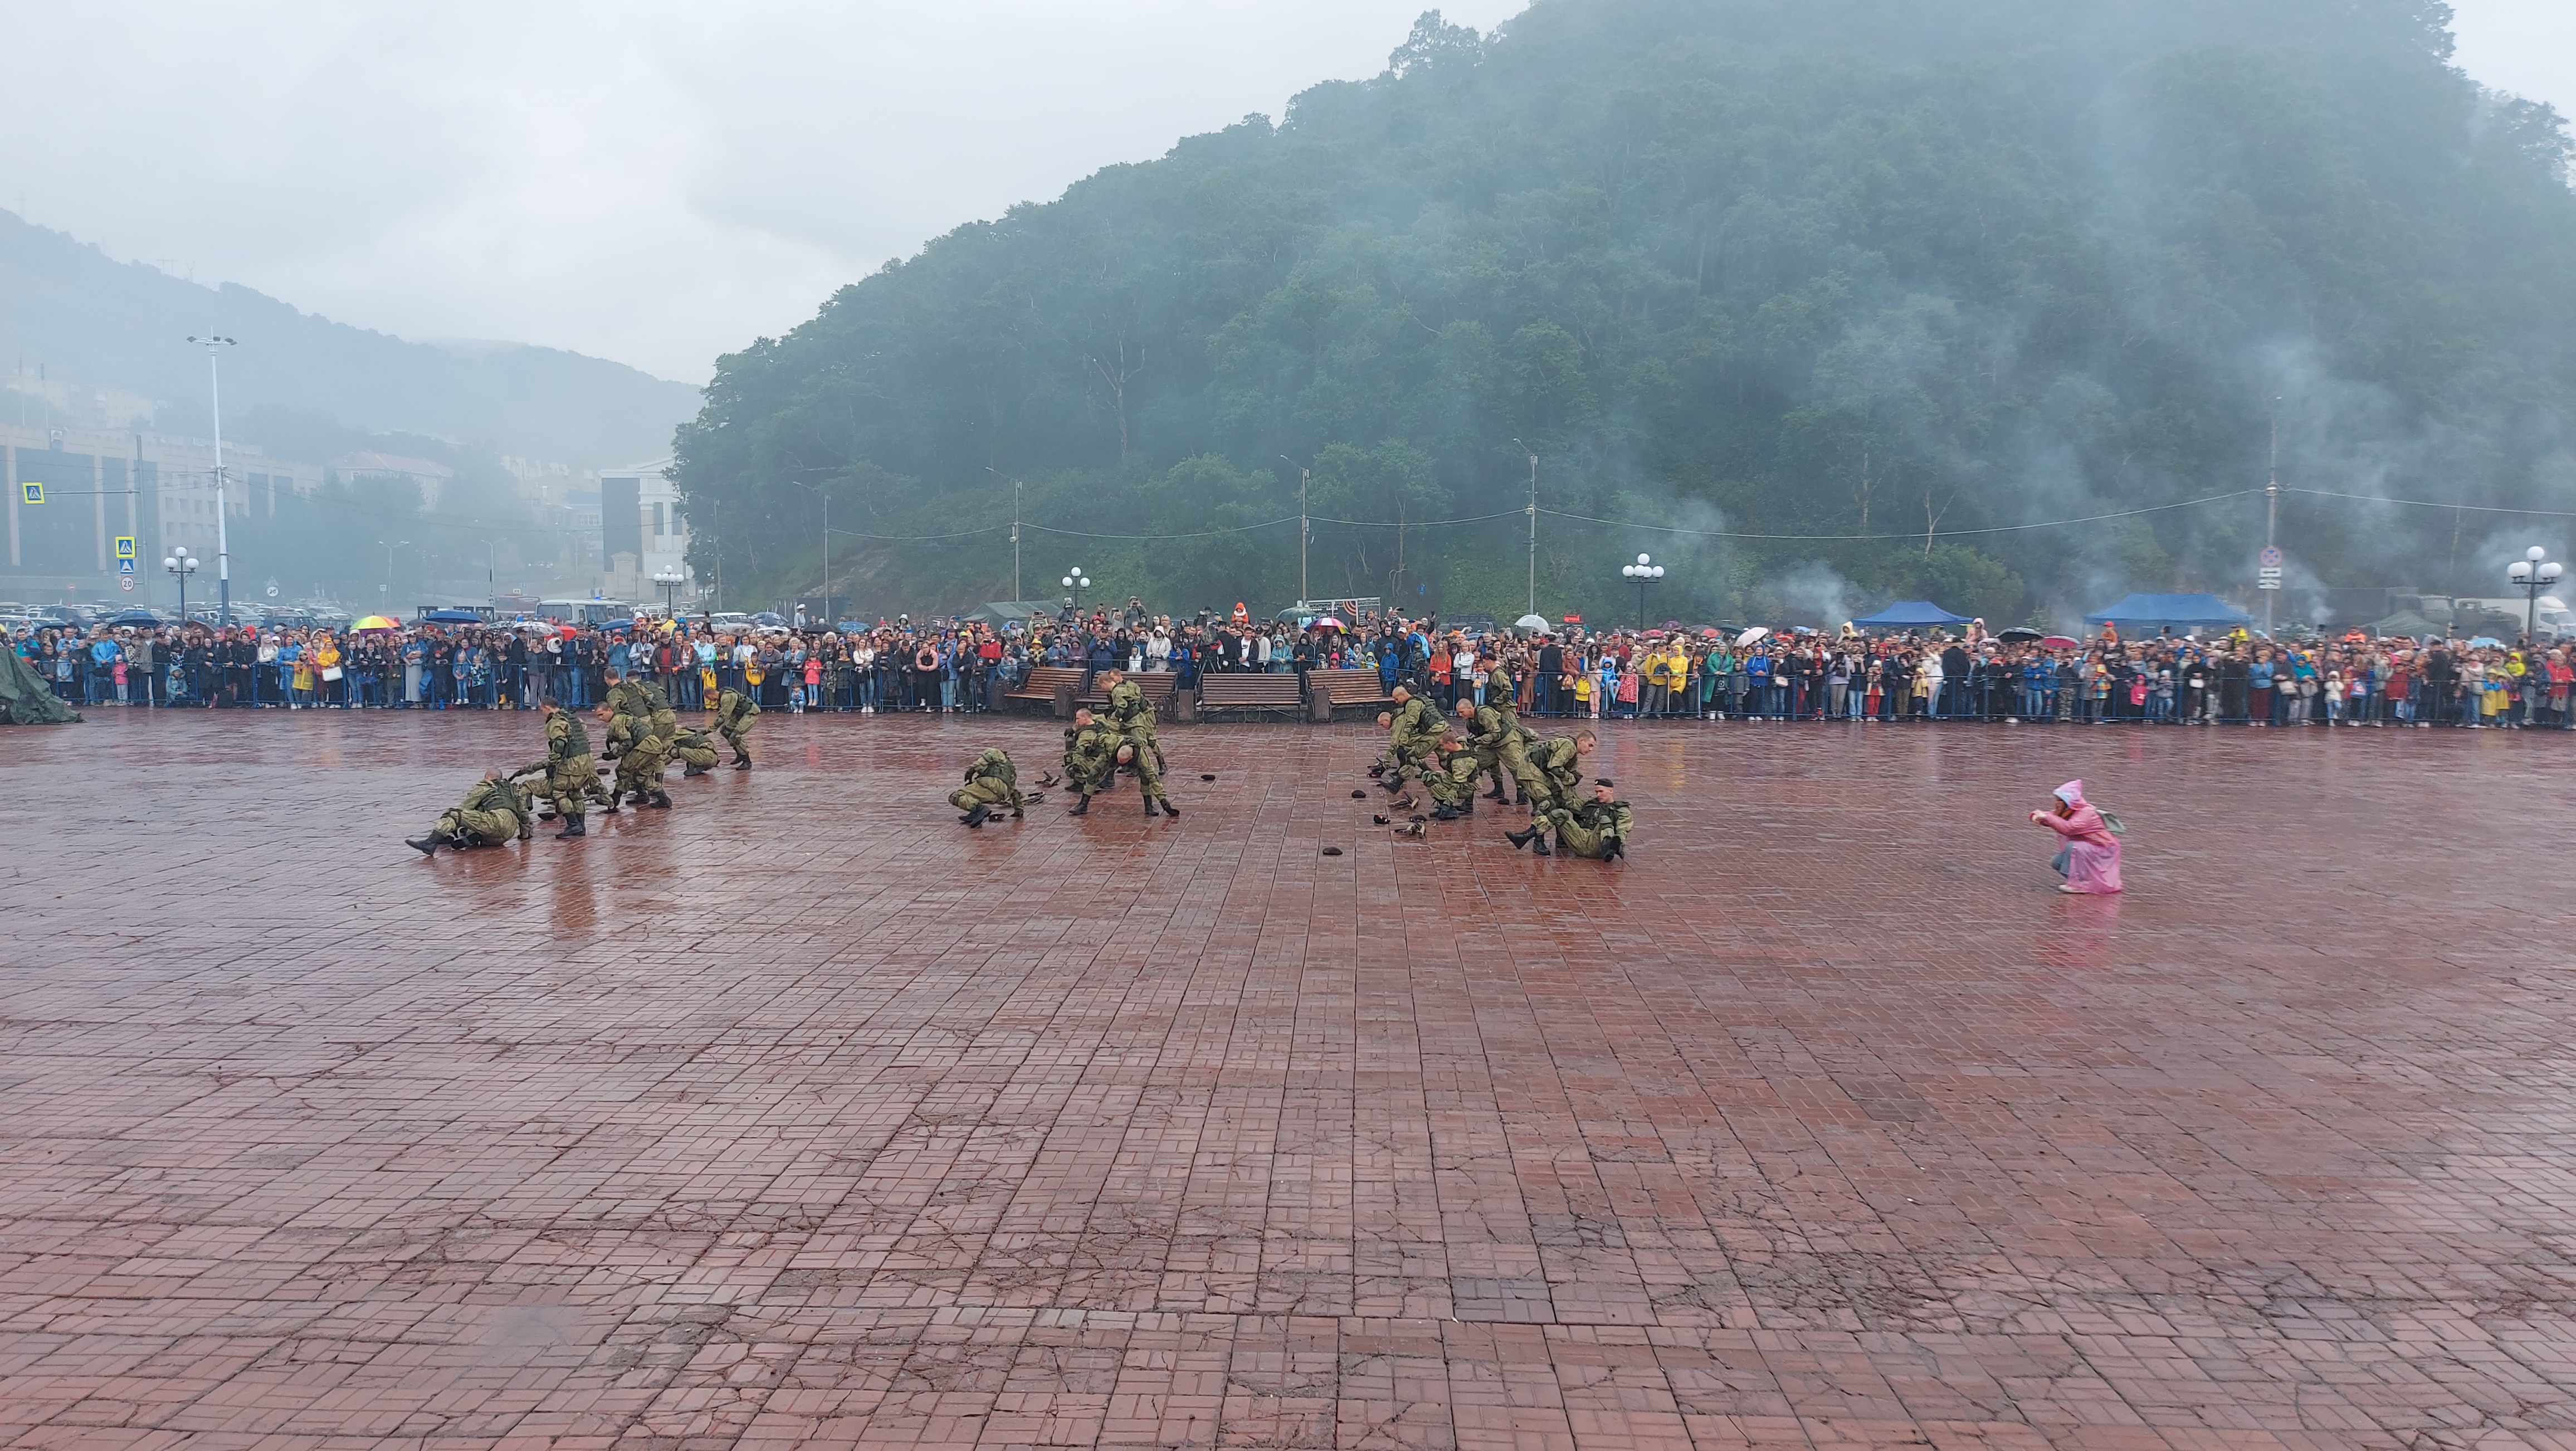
(1645, 572)
(2534, 572)
(181, 564)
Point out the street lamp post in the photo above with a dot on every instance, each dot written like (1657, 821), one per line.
(1075, 581)
(223, 547)
(181, 565)
(818, 491)
(670, 580)
(2535, 571)
(1645, 572)
(389, 569)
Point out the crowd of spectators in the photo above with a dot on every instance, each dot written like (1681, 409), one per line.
(1707, 674)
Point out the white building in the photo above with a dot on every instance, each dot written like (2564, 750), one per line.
(641, 533)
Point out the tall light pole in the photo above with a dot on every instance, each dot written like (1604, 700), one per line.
(670, 581)
(2272, 519)
(1015, 530)
(389, 570)
(1305, 476)
(1645, 572)
(1075, 581)
(223, 547)
(180, 565)
(1533, 526)
(819, 492)
(2535, 571)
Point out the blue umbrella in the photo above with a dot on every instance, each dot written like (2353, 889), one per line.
(452, 617)
(769, 617)
(142, 618)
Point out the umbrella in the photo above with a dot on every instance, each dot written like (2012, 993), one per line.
(376, 622)
(453, 617)
(1328, 623)
(1709, 632)
(2059, 642)
(2018, 635)
(2481, 642)
(769, 617)
(1530, 622)
(144, 618)
(1749, 636)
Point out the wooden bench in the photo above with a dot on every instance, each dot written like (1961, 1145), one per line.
(1251, 694)
(1349, 690)
(1040, 688)
(1158, 686)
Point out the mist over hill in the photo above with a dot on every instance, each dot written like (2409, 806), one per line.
(1877, 274)
(85, 317)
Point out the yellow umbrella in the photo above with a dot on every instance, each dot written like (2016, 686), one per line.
(376, 622)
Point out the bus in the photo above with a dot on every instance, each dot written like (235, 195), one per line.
(583, 612)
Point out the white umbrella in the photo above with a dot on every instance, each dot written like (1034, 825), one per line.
(1530, 622)
(1749, 636)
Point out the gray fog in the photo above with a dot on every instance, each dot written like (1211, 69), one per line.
(659, 183)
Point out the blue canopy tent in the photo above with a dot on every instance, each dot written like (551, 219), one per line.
(1910, 615)
(2178, 612)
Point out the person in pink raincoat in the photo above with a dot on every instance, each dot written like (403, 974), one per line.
(2090, 857)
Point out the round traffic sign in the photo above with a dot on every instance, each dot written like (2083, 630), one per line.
(2271, 557)
(125, 582)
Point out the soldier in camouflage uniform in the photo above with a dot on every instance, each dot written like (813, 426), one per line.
(1131, 715)
(1501, 744)
(492, 813)
(694, 751)
(1557, 764)
(1412, 730)
(992, 786)
(571, 776)
(1091, 754)
(641, 757)
(1597, 829)
(735, 712)
(1451, 775)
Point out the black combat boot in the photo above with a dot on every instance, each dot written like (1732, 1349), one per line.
(1538, 843)
(1149, 806)
(692, 771)
(426, 846)
(1497, 793)
(1082, 806)
(662, 800)
(976, 814)
(1613, 850)
(1520, 839)
(1169, 809)
(1446, 812)
(572, 827)
(743, 764)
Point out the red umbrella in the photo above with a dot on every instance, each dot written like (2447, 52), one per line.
(2058, 642)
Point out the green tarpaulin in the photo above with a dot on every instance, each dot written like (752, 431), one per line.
(24, 700)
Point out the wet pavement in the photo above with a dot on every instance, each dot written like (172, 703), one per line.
(798, 1116)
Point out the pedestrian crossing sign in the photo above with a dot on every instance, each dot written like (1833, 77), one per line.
(33, 493)
(125, 566)
(125, 547)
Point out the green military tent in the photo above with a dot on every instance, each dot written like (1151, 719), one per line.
(24, 700)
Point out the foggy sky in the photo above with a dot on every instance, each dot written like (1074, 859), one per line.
(659, 183)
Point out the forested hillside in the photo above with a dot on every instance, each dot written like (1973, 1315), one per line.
(1877, 274)
(90, 319)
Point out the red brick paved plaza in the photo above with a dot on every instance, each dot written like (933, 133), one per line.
(798, 1116)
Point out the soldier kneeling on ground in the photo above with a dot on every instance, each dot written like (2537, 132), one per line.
(992, 786)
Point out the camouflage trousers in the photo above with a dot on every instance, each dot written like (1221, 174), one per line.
(480, 828)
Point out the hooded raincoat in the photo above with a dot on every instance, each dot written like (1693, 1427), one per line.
(2091, 858)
